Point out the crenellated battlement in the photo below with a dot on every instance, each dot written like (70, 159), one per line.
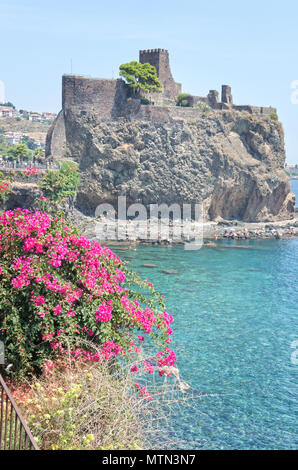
(150, 51)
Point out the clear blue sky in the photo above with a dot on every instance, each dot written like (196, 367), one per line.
(251, 46)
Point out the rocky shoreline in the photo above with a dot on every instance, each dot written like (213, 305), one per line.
(252, 231)
(132, 234)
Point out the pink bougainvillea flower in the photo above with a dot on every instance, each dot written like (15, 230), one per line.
(31, 171)
(68, 289)
(104, 311)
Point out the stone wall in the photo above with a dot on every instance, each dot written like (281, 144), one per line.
(226, 94)
(104, 97)
(194, 100)
(56, 138)
(170, 114)
(17, 176)
(255, 109)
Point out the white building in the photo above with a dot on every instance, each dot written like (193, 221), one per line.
(49, 116)
(36, 117)
(6, 111)
(14, 138)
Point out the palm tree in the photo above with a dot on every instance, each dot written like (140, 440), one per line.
(21, 151)
(39, 154)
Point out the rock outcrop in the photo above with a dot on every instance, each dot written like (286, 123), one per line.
(23, 195)
(232, 161)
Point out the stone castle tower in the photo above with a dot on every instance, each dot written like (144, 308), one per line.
(160, 59)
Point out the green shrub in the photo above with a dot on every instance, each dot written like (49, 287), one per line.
(62, 184)
(203, 106)
(145, 101)
(184, 99)
(5, 188)
(273, 116)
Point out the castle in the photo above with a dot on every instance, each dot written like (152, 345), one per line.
(111, 99)
(154, 151)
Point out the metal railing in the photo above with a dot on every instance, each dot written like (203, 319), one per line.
(6, 165)
(14, 432)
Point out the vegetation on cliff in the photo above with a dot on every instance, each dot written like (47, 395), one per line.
(4, 188)
(184, 99)
(58, 185)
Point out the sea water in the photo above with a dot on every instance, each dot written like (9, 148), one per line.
(235, 320)
(235, 309)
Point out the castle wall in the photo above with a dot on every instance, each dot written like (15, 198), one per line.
(163, 114)
(178, 88)
(255, 109)
(56, 138)
(198, 99)
(104, 97)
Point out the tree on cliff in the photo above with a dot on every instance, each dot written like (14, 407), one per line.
(140, 76)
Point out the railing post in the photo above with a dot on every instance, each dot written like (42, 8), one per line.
(6, 419)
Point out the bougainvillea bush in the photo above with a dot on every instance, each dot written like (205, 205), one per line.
(59, 291)
(4, 189)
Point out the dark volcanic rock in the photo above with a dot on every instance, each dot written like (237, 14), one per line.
(232, 161)
(23, 195)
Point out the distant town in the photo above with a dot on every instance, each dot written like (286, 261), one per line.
(22, 133)
(7, 110)
(292, 170)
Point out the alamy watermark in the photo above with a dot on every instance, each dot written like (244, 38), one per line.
(294, 94)
(2, 353)
(161, 223)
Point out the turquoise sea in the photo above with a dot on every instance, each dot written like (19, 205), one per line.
(235, 311)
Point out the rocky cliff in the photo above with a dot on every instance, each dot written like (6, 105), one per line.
(233, 161)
